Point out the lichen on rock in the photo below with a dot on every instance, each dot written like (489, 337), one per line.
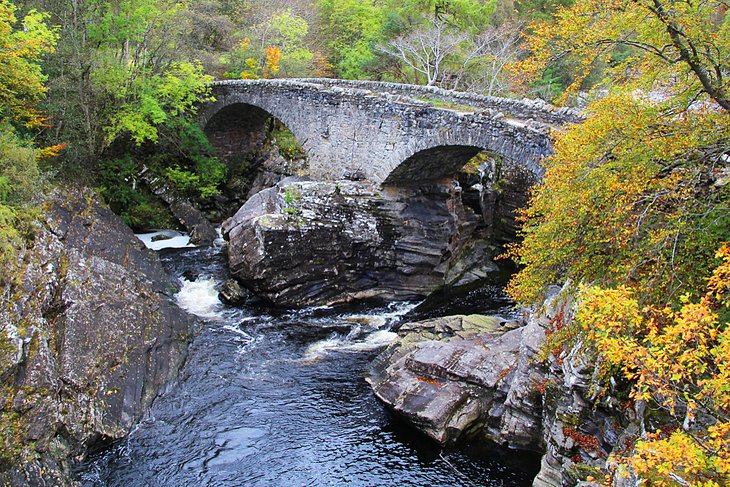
(91, 338)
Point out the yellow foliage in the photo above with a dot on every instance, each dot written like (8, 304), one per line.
(625, 201)
(21, 79)
(680, 48)
(680, 360)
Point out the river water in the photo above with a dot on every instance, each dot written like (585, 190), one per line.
(278, 398)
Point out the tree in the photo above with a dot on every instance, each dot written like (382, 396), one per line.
(351, 29)
(454, 46)
(679, 46)
(680, 360)
(290, 31)
(275, 48)
(21, 89)
(482, 67)
(112, 59)
(634, 177)
(426, 50)
(21, 79)
(636, 201)
(629, 197)
(144, 101)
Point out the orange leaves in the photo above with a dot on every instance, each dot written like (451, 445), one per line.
(584, 441)
(428, 380)
(51, 151)
(272, 59)
(676, 358)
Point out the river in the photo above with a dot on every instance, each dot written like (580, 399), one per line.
(278, 398)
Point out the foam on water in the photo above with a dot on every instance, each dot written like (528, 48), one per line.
(337, 343)
(368, 333)
(200, 297)
(174, 240)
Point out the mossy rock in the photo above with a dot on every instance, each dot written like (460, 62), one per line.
(448, 327)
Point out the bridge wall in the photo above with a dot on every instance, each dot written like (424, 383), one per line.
(535, 109)
(352, 133)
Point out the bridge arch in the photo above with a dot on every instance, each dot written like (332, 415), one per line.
(432, 164)
(237, 129)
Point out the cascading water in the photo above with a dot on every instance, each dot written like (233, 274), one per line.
(270, 397)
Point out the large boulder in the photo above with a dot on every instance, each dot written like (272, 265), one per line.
(446, 375)
(307, 242)
(90, 338)
(460, 375)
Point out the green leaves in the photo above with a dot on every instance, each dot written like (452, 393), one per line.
(151, 100)
(21, 79)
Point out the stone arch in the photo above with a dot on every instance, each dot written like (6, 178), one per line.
(496, 193)
(431, 164)
(237, 128)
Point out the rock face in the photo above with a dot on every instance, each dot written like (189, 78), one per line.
(98, 340)
(310, 242)
(582, 423)
(451, 376)
(446, 374)
(201, 231)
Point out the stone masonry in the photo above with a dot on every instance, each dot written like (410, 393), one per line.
(382, 132)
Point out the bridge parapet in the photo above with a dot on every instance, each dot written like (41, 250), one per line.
(524, 108)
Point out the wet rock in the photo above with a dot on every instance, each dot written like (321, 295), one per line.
(445, 374)
(455, 375)
(474, 263)
(554, 405)
(201, 231)
(94, 337)
(310, 242)
(232, 293)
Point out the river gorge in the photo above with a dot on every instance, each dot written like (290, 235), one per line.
(341, 327)
(278, 397)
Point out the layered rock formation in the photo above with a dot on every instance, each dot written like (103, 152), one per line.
(311, 242)
(98, 339)
(446, 374)
(457, 376)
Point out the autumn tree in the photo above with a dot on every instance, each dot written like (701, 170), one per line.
(635, 202)
(21, 89)
(21, 79)
(680, 362)
(274, 48)
(675, 46)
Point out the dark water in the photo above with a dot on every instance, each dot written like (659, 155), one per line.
(272, 398)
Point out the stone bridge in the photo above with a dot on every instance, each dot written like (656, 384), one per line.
(386, 133)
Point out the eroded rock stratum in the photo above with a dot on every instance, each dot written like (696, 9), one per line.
(485, 377)
(306, 242)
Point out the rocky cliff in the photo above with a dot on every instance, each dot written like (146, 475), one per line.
(89, 338)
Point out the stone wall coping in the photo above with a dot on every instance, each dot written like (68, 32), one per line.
(535, 109)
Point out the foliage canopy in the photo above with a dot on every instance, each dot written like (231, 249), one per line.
(634, 205)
